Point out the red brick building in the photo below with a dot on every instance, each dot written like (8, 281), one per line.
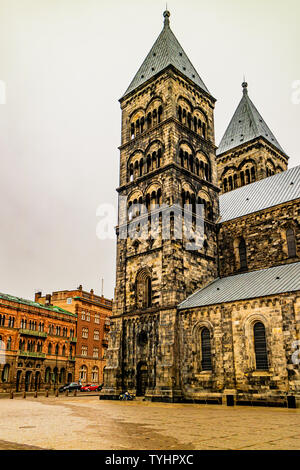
(92, 313)
(37, 345)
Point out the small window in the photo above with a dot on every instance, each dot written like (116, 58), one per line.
(96, 353)
(69, 300)
(206, 363)
(291, 243)
(260, 346)
(243, 254)
(97, 318)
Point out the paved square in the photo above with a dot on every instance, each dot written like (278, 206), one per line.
(89, 423)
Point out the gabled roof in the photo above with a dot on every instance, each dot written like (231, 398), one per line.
(30, 303)
(270, 281)
(245, 125)
(268, 192)
(165, 51)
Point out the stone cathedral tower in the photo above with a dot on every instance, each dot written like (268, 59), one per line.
(167, 158)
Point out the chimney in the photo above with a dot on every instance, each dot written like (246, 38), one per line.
(37, 296)
(48, 299)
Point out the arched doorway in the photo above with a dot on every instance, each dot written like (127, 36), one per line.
(37, 384)
(141, 379)
(28, 381)
(19, 381)
(70, 378)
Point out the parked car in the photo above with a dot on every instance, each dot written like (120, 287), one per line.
(91, 388)
(63, 387)
(72, 386)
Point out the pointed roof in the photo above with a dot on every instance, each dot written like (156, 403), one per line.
(165, 51)
(245, 125)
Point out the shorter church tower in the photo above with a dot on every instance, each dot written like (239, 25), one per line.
(248, 150)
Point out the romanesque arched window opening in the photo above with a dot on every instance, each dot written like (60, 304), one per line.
(144, 289)
(206, 362)
(291, 243)
(243, 254)
(260, 346)
(225, 185)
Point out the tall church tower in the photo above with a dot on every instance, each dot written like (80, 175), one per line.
(167, 159)
(248, 151)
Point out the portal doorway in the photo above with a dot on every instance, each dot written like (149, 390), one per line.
(141, 379)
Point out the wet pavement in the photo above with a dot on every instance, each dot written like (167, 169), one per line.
(90, 423)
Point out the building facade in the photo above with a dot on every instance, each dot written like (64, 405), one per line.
(93, 319)
(222, 318)
(37, 345)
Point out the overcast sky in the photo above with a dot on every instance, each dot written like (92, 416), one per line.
(65, 64)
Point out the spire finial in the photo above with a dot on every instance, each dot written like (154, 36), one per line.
(245, 86)
(167, 15)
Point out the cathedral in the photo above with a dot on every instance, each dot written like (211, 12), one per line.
(220, 322)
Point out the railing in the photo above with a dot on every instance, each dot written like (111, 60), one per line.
(73, 339)
(71, 358)
(40, 334)
(40, 355)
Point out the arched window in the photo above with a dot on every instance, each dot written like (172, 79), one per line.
(63, 353)
(49, 348)
(180, 113)
(291, 243)
(83, 373)
(95, 374)
(47, 375)
(8, 346)
(260, 346)
(62, 375)
(144, 289)
(243, 254)
(206, 363)
(5, 373)
(56, 350)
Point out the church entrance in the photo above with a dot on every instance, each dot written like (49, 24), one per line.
(141, 379)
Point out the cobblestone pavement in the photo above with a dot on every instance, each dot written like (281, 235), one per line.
(88, 423)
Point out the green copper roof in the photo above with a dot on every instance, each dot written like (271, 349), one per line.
(30, 303)
(165, 51)
(245, 125)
